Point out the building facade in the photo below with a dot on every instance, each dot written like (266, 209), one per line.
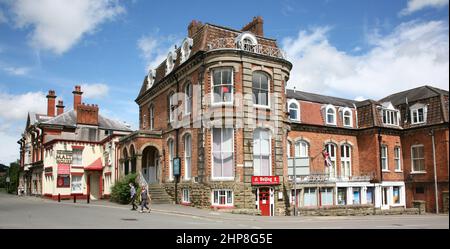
(219, 129)
(68, 153)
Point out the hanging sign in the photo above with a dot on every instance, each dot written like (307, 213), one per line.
(176, 166)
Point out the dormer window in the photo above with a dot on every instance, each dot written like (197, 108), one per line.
(151, 78)
(390, 114)
(246, 41)
(330, 112)
(418, 114)
(186, 47)
(170, 61)
(347, 117)
(294, 110)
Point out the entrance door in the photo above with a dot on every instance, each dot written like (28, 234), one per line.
(264, 201)
(94, 187)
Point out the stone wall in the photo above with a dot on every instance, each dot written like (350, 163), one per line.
(358, 210)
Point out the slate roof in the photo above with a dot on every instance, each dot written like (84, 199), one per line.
(312, 97)
(415, 94)
(69, 119)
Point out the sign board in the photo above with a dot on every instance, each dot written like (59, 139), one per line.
(265, 180)
(64, 157)
(176, 166)
(63, 169)
(8, 179)
(301, 166)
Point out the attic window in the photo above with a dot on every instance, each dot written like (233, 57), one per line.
(246, 41)
(170, 61)
(151, 78)
(418, 114)
(186, 49)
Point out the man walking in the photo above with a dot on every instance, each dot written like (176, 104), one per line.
(133, 197)
(144, 199)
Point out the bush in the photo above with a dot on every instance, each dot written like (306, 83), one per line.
(120, 191)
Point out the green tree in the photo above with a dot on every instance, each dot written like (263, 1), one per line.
(120, 191)
(13, 174)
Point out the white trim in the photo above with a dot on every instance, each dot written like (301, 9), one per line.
(294, 101)
(346, 109)
(218, 198)
(245, 35)
(185, 54)
(330, 107)
(347, 159)
(415, 109)
(171, 141)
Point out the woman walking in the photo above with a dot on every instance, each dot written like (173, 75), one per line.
(144, 199)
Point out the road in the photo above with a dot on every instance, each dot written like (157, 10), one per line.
(32, 212)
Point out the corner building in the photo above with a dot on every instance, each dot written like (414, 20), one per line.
(214, 112)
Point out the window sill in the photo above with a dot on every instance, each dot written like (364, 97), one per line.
(223, 179)
(223, 104)
(399, 171)
(418, 172)
(222, 206)
(262, 107)
(385, 171)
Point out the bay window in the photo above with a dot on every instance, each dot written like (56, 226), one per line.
(222, 85)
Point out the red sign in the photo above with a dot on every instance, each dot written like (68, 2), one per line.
(265, 180)
(63, 169)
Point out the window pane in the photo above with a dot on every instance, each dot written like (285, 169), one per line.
(227, 164)
(227, 143)
(216, 77)
(226, 76)
(265, 165)
(293, 114)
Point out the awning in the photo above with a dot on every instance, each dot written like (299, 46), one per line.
(96, 165)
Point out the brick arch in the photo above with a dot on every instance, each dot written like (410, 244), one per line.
(346, 142)
(144, 146)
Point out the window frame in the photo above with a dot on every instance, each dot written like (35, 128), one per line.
(170, 154)
(268, 90)
(222, 178)
(332, 159)
(298, 144)
(415, 110)
(350, 116)
(187, 158)
(413, 171)
(295, 102)
(80, 158)
(261, 155)
(172, 113)
(186, 196)
(80, 182)
(386, 157)
(390, 117)
(188, 98)
(226, 204)
(151, 116)
(398, 160)
(346, 159)
(222, 103)
(327, 108)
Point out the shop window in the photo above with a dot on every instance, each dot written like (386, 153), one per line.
(77, 185)
(370, 195)
(342, 196)
(326, 196)
(356, 196)
(63, 181)
(310, 197)
(396, 194)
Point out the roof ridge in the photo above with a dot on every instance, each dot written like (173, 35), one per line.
(322, 95)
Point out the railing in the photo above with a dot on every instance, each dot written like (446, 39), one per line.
(230, 43)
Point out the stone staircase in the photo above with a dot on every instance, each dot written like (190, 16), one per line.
(159, 194)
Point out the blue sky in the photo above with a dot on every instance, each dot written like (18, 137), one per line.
(351, 49)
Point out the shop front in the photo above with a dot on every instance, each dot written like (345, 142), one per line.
(265, 193)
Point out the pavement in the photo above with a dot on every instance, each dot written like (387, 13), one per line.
(35, 212)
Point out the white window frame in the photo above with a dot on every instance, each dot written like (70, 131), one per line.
(331, 174)
(299, 144)
(346, 160)
(327, 192)
(350, 116)
(187, 157)
(213, 103)
(268, 90)
(293, 101)
(316, 194)
(413, 158)
(151, 111)
(76, 163)
(186, 197)
(415, 110)
(170, 61)
(384, 147)
(262, 154)
(222, 178)
(330, 107)
(390, 117)
(188, 98)
(171, 151)
(80, 183)
(217, 204)
(398, 159)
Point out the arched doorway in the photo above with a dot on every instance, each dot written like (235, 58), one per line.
(133, 159)
(126, 169)
(151, 165)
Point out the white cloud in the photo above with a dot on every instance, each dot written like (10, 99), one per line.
(16, 70)
(15, 107)
(413, 54)
(3, 18)
(416, 5)
(94, 91)
(154, 49)
(59, 25)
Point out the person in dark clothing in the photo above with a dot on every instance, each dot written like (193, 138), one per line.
(133, 197)
(144, 199)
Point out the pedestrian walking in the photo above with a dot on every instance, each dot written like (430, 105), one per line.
(144, 199)
(133, 197)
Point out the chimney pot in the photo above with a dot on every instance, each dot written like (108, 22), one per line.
(60, 107)
(77, 96)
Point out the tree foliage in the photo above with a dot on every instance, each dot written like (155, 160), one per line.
(120, 191)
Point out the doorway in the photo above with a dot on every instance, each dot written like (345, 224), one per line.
(264, 201)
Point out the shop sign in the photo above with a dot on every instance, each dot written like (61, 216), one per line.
(176, 166)
(63, 169)
(64, 157)
(48, 170)
(265, 180)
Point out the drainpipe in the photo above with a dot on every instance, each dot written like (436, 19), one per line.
(176, 143)
(435, 174)
(381, 165)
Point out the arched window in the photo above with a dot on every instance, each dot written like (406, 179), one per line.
(151, 114)
(188, 98)
(260, 89)
(187, 156)
(261, 153)
(331, 115)
(170, 148)
(246, 41)
(347, 117)
(331, 151)
(294, 110)
(346, 160)
(301, 149)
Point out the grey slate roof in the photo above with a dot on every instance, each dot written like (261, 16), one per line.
(312, 97)
(69, 119)
(413, 95)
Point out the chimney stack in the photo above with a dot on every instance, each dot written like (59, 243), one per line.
(193, 27)
(77, 97)
(255, 26)
(87, 114)
(60, 108)
(51, 103)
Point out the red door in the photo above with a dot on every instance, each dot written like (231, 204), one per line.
(264, 201)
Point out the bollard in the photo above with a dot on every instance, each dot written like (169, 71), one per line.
(59, 197)
(74, 198)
